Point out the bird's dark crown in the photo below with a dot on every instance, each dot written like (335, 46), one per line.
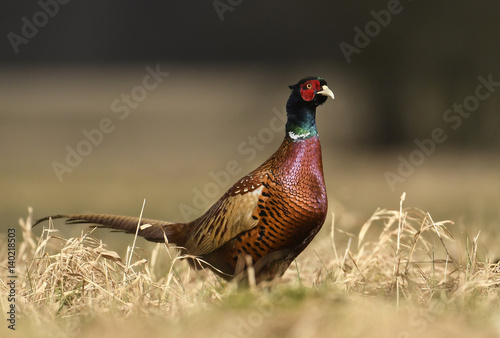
(309, 78)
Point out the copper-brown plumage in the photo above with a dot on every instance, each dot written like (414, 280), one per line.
(271, 214)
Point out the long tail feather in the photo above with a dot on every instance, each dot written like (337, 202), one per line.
(155, 233)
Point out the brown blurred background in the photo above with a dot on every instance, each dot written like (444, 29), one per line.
(227, 78)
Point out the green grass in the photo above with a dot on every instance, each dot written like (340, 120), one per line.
(401, 275)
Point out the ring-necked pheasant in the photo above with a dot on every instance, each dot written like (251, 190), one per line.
(271, 214)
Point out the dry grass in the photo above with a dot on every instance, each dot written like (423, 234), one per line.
(402, 266)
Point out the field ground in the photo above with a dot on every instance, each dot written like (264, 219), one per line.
(168, 150)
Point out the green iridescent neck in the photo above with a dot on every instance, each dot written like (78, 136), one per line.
(301, 123)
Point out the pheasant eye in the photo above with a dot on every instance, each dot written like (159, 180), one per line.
(309, 86)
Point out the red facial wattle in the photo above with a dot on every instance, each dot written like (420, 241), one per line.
(309, 89)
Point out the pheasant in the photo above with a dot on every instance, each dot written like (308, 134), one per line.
(265, 219)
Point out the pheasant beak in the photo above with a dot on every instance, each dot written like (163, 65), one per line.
(326, 92)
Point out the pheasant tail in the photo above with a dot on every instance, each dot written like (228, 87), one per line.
(151, 229)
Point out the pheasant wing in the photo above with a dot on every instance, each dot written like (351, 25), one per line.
(232, 214)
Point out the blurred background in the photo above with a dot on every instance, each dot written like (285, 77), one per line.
(91, 121)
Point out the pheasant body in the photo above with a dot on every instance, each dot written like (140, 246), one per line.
(270, 215)
(290, 210)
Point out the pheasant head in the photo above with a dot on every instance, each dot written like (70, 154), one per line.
(306, 95)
